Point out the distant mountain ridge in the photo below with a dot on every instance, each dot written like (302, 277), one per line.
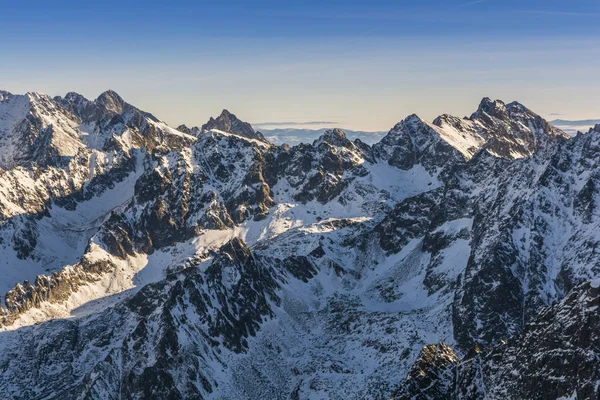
(226, 122)
(295, 136)
(584, 122)
(573, 126)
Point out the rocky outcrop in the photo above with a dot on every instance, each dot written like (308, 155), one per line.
(110, 122)
(415, 142)
(432, 376)
(55, 288)
(555, 357)
(320, 171)
(227, 122)
(506, 130)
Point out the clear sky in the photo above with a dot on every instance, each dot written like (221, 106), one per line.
(363, 65)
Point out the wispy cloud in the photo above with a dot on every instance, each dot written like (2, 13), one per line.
(582, 122)
(563, 13)
(471, 3)
(555, 114)
(295, 123)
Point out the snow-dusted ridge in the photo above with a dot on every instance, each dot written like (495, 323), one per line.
(209, 263)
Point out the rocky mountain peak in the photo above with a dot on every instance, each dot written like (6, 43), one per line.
(515, 105)
(106, 105)
(228, 122)
(37, 96)
(504, 130)
(76, 103)
(111, 101)
(40, 102)
(226, 114)
(413, 124)
(335, 133)
(73, 98)
(184, 128)
(412, 119)
(414, 141)
(447, 118)
(4, 95)
(336, 137)
(494, 108)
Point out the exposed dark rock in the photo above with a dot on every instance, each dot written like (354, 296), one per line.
(431, 376)
(555, 357)
(227, 122)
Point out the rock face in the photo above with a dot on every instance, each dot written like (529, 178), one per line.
(555, 357)
(416, 142)
(27, 137)
(209, 263)
(432, 376)
(227, 122)
(504, 130)
(320, 171)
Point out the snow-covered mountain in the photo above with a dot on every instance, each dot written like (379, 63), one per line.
(141, 261)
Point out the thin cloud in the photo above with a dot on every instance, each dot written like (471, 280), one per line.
(563, 13)
(471, 3)
(555, 114)
(271, 123)
(583, 122)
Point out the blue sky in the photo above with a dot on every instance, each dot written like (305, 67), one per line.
(364, 65)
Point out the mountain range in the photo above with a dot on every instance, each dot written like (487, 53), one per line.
(573, 126)
(456, 259)
(295, 136)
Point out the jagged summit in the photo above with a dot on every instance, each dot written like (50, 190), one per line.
(37, 96)
(413, 118)
(414, 141)
(184, 128)
(104, 107)
(4, 95)
(335, 132)
(335, 137)
(108, 104)
(72, 98)
(106, 97)
(228, 122)
(412, 122)
(111, 101)
(504, 130)
(499, 109)
(496, 108)
(35, 129)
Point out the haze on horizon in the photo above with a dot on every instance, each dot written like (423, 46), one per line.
(359, 65)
